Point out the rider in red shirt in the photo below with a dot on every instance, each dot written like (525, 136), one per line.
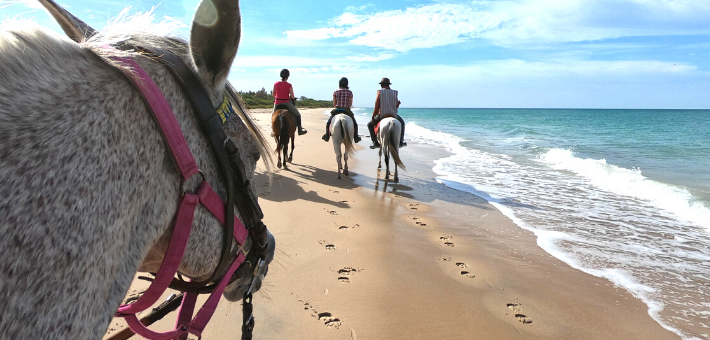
(283, 94)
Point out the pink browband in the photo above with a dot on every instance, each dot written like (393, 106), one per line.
(183, 223)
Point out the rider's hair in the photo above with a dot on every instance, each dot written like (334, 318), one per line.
(285, 74)
(343, 83)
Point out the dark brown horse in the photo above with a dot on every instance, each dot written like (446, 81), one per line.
(283, 126)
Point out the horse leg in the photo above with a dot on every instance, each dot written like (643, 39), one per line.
(285, 151)
(396, 176)
(345, 170)
(338, 156)
(284, 162)
(387, 165)
(293, 146)
(278, 153)
(379, 164)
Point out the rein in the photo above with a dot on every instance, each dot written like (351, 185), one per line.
(231, 166)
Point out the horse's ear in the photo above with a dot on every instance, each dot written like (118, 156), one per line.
(74, 28)
(214, 39)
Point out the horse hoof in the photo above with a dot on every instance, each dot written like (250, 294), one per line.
(346, 173)
(396, 179)
(278, 165)
(290, 159)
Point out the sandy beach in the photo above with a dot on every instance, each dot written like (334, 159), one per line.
(363, 258)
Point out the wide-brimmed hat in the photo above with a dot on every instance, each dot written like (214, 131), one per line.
(385, 81)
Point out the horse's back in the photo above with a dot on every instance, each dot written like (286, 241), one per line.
(288, 118)
(344, 121)
(389, 126)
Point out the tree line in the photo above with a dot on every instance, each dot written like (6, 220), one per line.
(265, 100)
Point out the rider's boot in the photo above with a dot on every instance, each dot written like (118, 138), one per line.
(326, 136)
(357, 138)
(301, 130)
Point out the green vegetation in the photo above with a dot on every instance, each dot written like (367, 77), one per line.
(263, 100)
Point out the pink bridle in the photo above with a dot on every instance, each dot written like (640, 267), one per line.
(206, 196)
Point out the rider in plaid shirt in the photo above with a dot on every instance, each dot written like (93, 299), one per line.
(342, 100)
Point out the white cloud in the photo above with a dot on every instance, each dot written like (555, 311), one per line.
(512, 23)
(507, 83)
(420, 27)
(28, 3)
(371, 58)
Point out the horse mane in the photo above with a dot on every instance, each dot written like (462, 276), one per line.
(139, 29)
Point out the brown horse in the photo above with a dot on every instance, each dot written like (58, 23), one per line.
(283, 126)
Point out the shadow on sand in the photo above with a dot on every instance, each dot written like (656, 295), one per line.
(290, 189)
(410, 187)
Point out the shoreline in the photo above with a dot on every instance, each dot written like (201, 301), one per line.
(359, 257)
(422, 261)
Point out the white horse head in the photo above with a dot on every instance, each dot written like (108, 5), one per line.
(88, 189)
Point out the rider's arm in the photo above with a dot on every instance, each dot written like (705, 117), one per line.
(290, 93)
(334, 100)
(398, 102)
(350, 102)
(376, 111)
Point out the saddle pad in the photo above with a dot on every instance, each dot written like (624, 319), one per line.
(377, 127)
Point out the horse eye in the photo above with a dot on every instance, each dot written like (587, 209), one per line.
(256, 157)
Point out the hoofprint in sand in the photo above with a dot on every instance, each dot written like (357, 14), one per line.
(365, 258)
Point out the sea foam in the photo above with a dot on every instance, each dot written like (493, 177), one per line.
(644, 236)
(632, 183)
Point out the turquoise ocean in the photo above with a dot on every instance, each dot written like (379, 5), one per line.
(619, 194)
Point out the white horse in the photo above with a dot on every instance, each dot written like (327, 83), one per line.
(388, 135)
(342, 131)
(88, 189)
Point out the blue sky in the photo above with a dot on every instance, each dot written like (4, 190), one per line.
(516, 53)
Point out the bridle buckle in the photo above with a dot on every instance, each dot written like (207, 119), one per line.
(183, 182)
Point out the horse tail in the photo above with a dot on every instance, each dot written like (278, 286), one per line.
(275, 128)
(283, 131)
(347, 139)
(393, 147)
